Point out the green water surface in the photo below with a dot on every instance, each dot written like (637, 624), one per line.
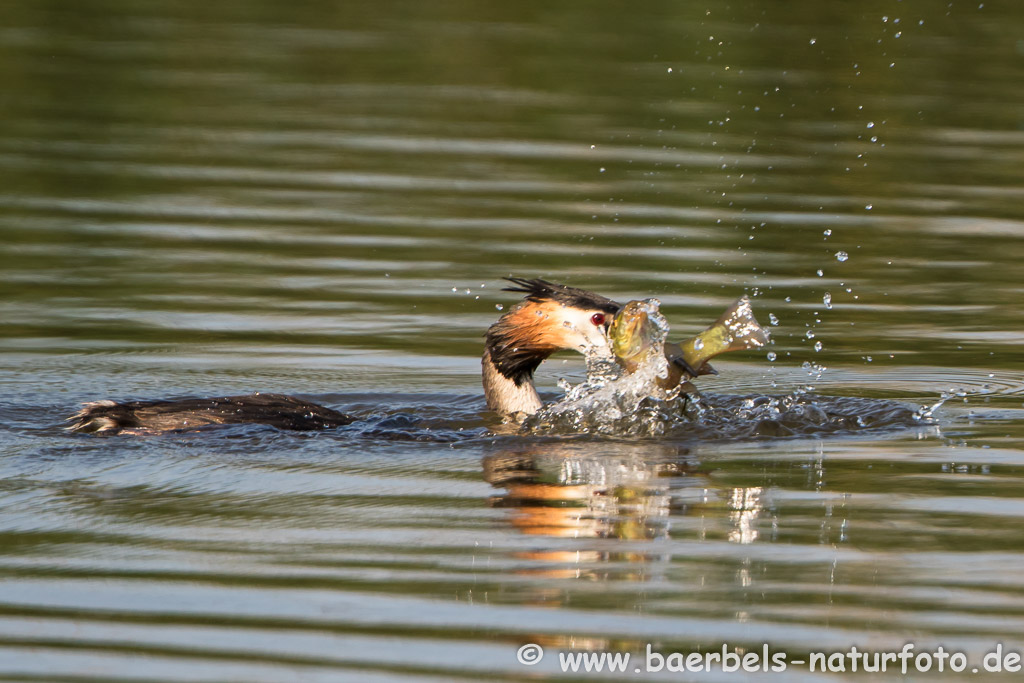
(320, 198)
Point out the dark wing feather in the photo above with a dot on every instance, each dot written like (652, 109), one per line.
(277, 410)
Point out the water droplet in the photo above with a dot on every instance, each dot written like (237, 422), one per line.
(813, 41)
(500, 307)
(772, 319)
(827, 300)
(601, 170)
(828, 232)
(810, 334)
(820, 272)
(698, 344)
(455, 289)
(772, 356)
(871, 124)
(868, 207)
(868, 358)
(842, 256)
(817, 346)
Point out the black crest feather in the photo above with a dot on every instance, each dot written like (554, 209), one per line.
(541, 290)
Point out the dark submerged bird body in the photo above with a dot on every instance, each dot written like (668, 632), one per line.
(146, 417)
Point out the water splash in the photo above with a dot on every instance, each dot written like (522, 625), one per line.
(613, 402)
(610, 401)
(926, 412)
(799, 413)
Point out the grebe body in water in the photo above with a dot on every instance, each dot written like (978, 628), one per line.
(147, 417)
(551, 318)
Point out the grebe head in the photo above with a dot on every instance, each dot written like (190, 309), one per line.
(551, 318)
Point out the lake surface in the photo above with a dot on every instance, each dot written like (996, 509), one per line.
(321, 198)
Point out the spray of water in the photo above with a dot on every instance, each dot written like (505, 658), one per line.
(617, 403)
(611, 401)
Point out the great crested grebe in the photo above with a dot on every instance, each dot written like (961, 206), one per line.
(551, 318)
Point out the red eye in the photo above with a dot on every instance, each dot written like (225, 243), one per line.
(597, 319)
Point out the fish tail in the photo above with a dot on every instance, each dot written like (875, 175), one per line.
(743, 327)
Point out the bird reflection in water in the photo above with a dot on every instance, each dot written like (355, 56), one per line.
(586, 491)
(599, 512)
(745, 506)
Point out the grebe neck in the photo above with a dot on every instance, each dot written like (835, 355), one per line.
(514, 346)
(504, 394)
